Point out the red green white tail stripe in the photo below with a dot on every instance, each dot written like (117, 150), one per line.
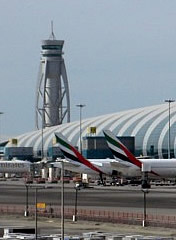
(71, 153)
(119, 151)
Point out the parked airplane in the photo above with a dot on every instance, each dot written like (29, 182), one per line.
(75, 162)
(14, 166)
(130, 165)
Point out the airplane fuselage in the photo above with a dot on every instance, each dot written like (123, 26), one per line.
(103, 164)
(14, 166)
(165, 168)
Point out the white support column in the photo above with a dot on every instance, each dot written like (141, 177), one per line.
(44, 173)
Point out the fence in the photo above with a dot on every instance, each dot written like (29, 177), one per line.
(94, 215)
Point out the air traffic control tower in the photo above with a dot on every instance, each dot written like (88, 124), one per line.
(52, 95)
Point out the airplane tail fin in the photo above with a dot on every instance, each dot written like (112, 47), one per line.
(72, 154)
(118, 150)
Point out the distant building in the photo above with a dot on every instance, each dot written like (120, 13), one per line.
(148, 125)
(96, 146)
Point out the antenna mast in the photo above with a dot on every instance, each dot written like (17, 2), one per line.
(52, 36)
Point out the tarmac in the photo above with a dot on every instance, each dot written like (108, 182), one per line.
(53, 226)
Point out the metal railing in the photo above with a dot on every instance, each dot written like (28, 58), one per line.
(94, 215)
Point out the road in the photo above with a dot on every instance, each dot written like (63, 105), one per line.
(160, 200)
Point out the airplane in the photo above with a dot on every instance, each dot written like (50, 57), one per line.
(76, 162)
(162, 168)
(14, 166)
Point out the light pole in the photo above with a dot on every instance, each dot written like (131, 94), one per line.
(145, 191)
(62, 198)
(0, 126)
(80, 124)
(36, 215)
(169, 101)
(26, 214)
(62, 201)
(42, 113)
(36, 188)
(146, 168)
(77, 188)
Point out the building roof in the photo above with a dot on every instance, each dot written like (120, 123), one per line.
(149, 125)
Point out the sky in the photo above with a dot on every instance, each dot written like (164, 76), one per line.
(119, 55)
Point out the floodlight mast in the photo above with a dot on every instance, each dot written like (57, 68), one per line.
(1, 113)
(80, 125)
(169, 101)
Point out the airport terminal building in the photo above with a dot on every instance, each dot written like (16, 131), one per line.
(147, 126)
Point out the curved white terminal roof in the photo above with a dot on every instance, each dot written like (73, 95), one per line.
(149, 125)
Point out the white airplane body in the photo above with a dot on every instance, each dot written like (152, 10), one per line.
(132, 166)
(75, 162)
(14, 166)
(105, 165)
(164, 168)
(124, 162)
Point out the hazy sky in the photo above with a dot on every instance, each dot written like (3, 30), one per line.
(119, 55)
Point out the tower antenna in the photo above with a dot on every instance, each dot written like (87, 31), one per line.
(52, 36)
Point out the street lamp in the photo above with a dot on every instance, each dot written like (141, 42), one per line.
(80, 124)
(145, 191)
(77, 188)
(0, 126)
(62, 197)
(26, 213)
(42, 113)
(169, 101)
(36, 215)
(145, 169)
(36, 206)
(62, 201)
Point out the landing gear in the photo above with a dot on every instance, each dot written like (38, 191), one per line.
(102, 181)
(145, 184)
